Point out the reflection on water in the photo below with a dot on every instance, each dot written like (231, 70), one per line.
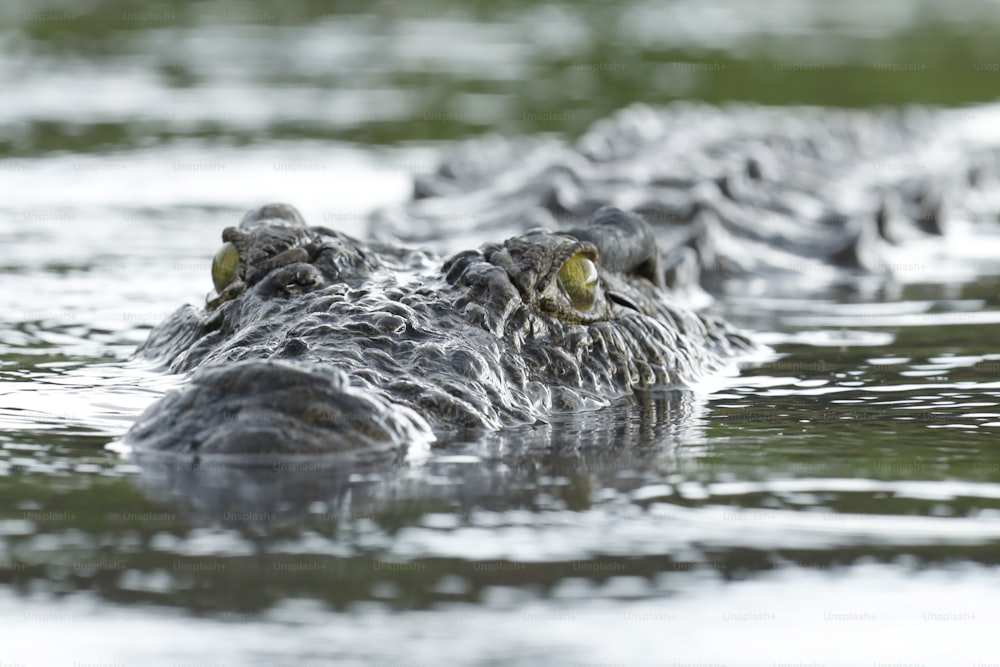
(819, 617)
(824, 460)
(839, 495)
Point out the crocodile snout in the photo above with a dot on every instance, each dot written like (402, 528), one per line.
(257, 409)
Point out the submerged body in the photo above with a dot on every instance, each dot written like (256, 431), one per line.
(752, 193)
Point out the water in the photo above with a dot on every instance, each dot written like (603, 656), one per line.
(837, 503)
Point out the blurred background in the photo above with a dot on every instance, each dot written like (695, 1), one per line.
(117, 74)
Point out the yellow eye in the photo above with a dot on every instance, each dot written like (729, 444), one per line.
(578, 278)
(225, 264)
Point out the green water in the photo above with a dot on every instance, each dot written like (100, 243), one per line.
(835, 503)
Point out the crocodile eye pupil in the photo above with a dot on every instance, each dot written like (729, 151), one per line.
(578, 279)
(224, 266)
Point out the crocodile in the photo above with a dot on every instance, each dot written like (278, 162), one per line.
(316, 342)
(753, 194)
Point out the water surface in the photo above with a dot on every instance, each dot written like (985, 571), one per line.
(837, 502)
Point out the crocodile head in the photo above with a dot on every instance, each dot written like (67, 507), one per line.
(314, 342)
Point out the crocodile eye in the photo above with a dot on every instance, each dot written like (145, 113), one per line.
(578, 279)
(224, 266)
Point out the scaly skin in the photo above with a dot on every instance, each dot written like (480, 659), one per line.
(321, 343)
(751, 193)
